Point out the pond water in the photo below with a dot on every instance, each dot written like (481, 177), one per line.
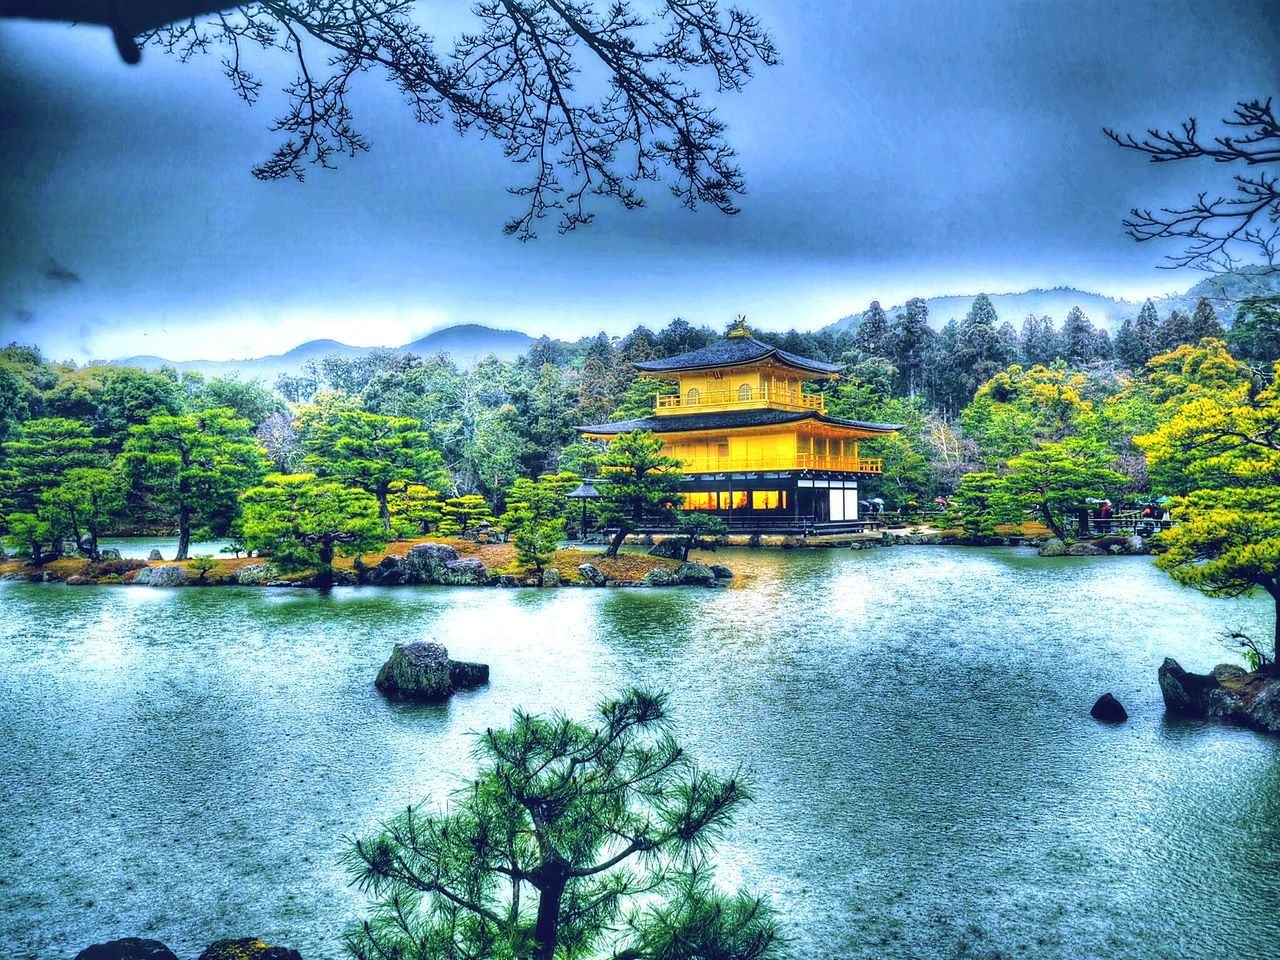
(186, 764)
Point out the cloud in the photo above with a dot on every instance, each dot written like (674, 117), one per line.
(59, 274)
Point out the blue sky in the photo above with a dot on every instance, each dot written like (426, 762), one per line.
(900, 150)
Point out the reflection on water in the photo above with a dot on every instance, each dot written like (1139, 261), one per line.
(185, 764)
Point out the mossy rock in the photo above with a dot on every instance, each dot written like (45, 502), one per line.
(247, 948)
(416, 671)
(127, 948)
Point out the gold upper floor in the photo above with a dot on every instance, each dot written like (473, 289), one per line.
(738, 388)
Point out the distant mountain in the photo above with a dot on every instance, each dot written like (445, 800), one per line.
(465, 344)
(471, 342)
(1222, 290)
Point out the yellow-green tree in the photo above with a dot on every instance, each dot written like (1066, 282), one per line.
(1056, 477)
(372, 451)
(1223, 449)
(535, 518)
(460, 515)
(302, 522)
(415, 508)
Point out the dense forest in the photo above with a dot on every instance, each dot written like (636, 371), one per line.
(434, 447)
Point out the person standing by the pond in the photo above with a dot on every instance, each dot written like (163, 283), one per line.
(1104, 517)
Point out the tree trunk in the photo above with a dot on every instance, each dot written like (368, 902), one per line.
(384, 511)
(616, 542)
(1051, 523)
(688, 545)
(324, 576)
(1274, 590)
(546, 932)
(184, 533)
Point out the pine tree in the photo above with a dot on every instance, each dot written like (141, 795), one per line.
(981, 353)
(196, 464)
(573, 840)
(1174, 332)
(871, 337)
(1204, 322)
(909, 340)
(1079, 339)
(1038, 341)
(1147, 330)
(1128, 346)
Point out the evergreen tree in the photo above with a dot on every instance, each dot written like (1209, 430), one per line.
(639, 479)
(1038, 341)
(1204, 323)
(944, 368)
(1255, 334)
(871, 339)
(909, 341)
(1103, 349)
(1079, 339)
(1147, 331)
(461, 515)
(1010, 348)
(1056, 477)
(196, 464)
(535, 517)
(40, 456)
(573, 840)
(302, 522)
(83, 505)
(373, 452)
(1128, 346)
(1175, 331)
(981, 352)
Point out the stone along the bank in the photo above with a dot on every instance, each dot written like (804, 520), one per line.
(1227, 692)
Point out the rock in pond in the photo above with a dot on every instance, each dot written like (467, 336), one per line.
(170, 575)
(696, 575)
(422, 671)
(591, 573)
(1086, 550)
(108, 554)
(1052, 547)
(155, 555)
(1227, 693)
(660, 577)
(426, 562)
(722, 572)
(466, 572)
(255, 574)
(672, 548)
(247, 948)
(127, 948)
(551, 577)
(1108, 709)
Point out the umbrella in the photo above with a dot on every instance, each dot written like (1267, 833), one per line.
(877, 500)
(940, 501)
(1164, 500)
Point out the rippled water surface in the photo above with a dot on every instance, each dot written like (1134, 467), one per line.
(185, 764)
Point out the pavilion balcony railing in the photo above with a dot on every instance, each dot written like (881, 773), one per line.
(798, 461)
(739, 400)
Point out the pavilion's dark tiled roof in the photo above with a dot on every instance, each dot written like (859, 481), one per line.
(735, 352)
(729, 420)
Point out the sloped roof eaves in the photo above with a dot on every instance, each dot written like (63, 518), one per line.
(729, 420)
(730, 352)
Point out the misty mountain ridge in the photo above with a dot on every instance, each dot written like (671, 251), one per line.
(466, 344)
(1222, 290)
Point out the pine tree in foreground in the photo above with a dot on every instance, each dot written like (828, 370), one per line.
(575, 841)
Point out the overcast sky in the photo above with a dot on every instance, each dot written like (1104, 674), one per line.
(900, 150)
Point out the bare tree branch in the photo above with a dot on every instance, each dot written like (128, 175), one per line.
(1216, 229)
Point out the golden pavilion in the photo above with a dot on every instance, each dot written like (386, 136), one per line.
(756, 449)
